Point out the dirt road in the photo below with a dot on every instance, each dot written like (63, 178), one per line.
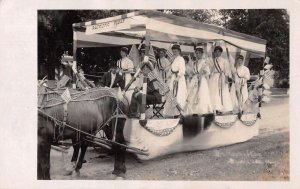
(265, 157)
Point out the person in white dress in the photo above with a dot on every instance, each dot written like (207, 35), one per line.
(126, 65)
(242, 75)
(163, 65)
(176, 84)
(218, 83)
(198, 100)
(188, 70)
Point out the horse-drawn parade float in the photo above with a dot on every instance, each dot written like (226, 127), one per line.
(82, 112)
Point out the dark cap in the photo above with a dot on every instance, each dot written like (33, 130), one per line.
(176, 46)
(142, 48)
(113, 64)
(218, 48)
(124, 49)
(162, 50)
(199, 48)
(240, 57)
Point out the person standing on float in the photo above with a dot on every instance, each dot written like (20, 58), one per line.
(126, 65)
(219, 83)
(176, 84)
(188, 70)
(163, 65)
(198, 101)
(242, 75)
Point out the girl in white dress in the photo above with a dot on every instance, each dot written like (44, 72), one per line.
(176, 84)
(242, 75)
(126, 65)
(188, 71)
(198, 101)
(163, 65)
(218, 83)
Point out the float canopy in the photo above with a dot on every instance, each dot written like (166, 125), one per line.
(162, 29)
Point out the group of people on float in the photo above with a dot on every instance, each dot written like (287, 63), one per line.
(208, 84)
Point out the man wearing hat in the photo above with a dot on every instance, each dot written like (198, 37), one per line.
(66, 65)
(176, 84)
(152, 97)
(112, 78)
(219, 82)
(126, 65)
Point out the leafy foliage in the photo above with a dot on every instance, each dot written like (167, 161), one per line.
(55, 34)
(269, 24)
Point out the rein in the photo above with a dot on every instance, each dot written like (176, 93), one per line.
(118, 113)
(95, 137)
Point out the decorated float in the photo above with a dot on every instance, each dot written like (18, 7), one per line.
(153, 133)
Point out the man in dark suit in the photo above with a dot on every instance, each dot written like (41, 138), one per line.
(152, 97)
(112, 78)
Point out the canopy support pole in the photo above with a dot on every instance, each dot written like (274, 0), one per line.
(74, 56)
(143, 119)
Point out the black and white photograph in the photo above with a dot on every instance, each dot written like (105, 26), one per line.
(118, 95)
(123, 92)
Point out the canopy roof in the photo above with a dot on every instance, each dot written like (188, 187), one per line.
(162, 29)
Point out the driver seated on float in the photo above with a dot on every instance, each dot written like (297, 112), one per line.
(112, 78)
(152, 96)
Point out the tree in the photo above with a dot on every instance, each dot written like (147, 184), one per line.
(55, 34)
(269, 24)
(208, 16)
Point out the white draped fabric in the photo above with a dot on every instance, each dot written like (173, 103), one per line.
(218, 85)
(126, 65)
(178, 90)
(199, 101)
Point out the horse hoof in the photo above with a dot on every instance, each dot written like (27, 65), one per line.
(77, 173)
(119, 178)
(69, 169)
(67, 172)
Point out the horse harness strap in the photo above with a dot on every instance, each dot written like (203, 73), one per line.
(65, 116)
(90, 135)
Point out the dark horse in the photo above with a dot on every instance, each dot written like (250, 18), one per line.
(86, 112)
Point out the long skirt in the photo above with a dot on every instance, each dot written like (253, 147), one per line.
(219, 92)
(127, 78)
(198, 101)
(234, 98)
(180, 94)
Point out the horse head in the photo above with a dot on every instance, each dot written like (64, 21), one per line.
(122, 100)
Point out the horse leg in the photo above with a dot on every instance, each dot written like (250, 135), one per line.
(119, 152)
(84, 146)
(70, 168)
(43, 159)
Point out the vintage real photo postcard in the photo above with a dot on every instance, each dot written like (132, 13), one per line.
(125, 96)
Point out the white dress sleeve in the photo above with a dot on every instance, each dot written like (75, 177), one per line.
(247, 73)
(129, 64)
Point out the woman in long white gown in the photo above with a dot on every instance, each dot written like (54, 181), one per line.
(126, 65)
(218, 83)
(176, 84)
(188, 71)
(198, 100)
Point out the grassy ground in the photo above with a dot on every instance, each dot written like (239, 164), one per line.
(265, 157)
